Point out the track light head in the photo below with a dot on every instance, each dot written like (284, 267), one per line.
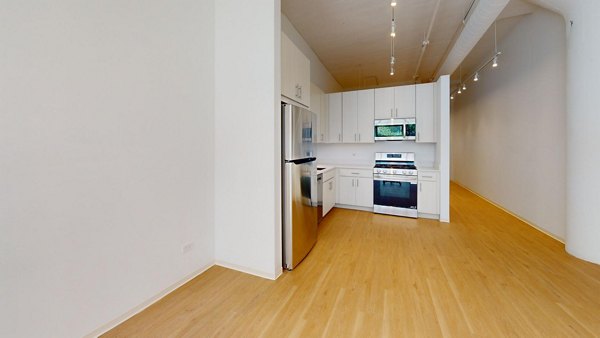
(476, 78)
(451, 97)
(459, 91)
(495, 64)
(464, 87)
(393, 4)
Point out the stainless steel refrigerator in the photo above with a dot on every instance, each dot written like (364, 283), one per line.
(299, 185)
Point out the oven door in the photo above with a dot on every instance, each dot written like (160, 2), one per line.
(389, 130)
(395, 195)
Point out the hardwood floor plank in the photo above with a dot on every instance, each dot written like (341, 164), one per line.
(486, 274)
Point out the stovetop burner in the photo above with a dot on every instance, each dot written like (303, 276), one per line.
(395, 166)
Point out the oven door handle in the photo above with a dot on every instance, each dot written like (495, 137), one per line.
(395, 179)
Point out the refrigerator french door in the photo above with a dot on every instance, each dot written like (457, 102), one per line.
(299, 186)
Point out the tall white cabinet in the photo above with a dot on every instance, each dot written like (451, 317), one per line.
(295, 72)
(424, 107)
(358, 112)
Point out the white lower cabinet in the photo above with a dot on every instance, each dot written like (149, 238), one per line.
(428, 195)
(355, 187)
(329, 194)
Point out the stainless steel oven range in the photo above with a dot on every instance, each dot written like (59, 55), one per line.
(395, 184)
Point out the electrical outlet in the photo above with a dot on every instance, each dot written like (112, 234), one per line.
(187, 247)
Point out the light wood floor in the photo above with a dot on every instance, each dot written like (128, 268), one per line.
(486, 274)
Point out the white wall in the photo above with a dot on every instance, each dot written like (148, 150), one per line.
(247, 136)
(106, 158)
(508, 130)
(319, 75)
(364, 154)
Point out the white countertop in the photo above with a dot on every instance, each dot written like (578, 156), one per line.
(346, 166)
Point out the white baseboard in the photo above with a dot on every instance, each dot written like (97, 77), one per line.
(114, 323)
(430, 216)
(545, 232)
(253, 272)
(353, 207)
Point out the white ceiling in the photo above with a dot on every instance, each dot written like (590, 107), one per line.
(351, 37)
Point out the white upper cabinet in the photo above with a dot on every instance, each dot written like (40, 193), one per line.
(315, 97)
(323, 124)
(335, 118)
(358, 114)
(404, 99)
(395, 102)
(425, 113)
(295, 72)
(349, 115)
(384, 103)
(365, 116)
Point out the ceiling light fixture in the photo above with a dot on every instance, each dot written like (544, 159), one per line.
(451, 97)
(464, 86)
(476, 78)
(495, 64)
(393, 4)
(392, 36)
(459, 90)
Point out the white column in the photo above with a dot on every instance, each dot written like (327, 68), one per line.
(583, 125)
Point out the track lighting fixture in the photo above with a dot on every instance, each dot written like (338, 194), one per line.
(392, 35)
(476, 78)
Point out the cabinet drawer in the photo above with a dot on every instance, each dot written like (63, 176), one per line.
(428, 175)
(356, 172)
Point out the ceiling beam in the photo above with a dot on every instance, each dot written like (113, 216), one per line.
(481, 18)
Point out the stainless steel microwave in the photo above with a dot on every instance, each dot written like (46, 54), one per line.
(395, 130)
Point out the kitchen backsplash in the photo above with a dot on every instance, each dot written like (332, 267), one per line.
(364, 154)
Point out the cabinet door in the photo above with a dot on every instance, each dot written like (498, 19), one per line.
(335, 117)
(302, 71)
(349, 111)
(324, 120)
(328, 195)
(315, 98)
(365, 116)
(286, 68)
(347, 190)
(424, 113)
(404, 99)
(427, 197)
(364, 192)
(384, 103)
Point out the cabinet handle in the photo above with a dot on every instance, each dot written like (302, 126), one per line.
(340, 137)
(321, 137)
(392, 112)
(418, 136)
(358, 137)
(357, 182)
(355, 173)
(396, 112)
(420, 187)
(427, 176)
(353, 182)
(330, 185)
(300, 91)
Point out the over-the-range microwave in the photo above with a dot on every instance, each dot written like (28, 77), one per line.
(395, 130)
